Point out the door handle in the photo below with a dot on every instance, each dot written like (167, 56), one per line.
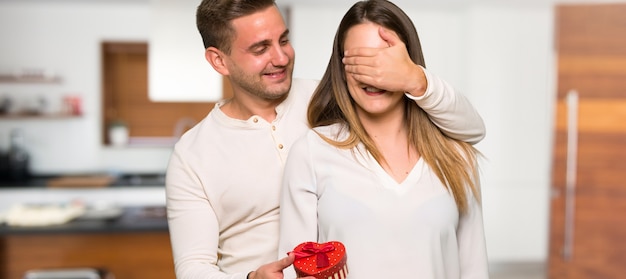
(570, 173)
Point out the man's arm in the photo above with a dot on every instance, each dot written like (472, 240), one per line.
(192, 223)
(194, 228)
(450, 111)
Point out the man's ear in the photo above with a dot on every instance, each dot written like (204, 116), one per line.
(216, 58)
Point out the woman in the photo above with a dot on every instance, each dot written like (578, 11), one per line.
(376, 174)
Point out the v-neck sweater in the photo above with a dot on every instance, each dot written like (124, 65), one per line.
(410, 229)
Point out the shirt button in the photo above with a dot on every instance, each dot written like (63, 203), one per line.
(255, 120)
(280, 146)
(273, 128)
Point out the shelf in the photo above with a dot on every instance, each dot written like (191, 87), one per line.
(16, 116)
(29, 79)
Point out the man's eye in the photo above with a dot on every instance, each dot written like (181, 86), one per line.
(284, 42)
(259, 50)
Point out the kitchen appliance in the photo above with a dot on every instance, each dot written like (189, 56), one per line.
(15, 164)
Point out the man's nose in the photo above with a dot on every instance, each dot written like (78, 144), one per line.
(280, 57)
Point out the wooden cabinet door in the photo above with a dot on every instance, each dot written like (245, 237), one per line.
(126, 255)
(588, 206)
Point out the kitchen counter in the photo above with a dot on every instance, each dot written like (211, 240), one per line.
(127, 197)
(132, 219)
(136, 245)
(132, 244)
(120, 180)
(35, 181)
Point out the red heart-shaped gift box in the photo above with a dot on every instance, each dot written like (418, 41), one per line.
(321, 260)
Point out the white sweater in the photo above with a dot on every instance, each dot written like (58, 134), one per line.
(224, 176)
(390, 230)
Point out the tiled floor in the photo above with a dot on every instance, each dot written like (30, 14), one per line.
(517, 271)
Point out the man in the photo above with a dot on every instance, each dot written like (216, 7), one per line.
(224, 175)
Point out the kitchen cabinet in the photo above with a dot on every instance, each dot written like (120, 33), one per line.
(130, 255)
(134, 246)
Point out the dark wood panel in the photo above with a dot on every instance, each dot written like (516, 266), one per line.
(592, 60)
(592, 87)
(126, 255)
(593, 76)
(591, 64)
(557, 227)
(599, 248)
(602, 165)
(591, 29)
(126, 47)
(603, 116)
(602, 151)
(593, 269)
(599, 234)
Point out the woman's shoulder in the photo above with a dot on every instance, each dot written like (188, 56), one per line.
(336, 132)
(315, 138)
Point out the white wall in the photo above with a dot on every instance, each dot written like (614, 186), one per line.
(499, 56)
(64, 37)
(511, 76)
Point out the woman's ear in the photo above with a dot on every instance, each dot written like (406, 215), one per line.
(216, 58)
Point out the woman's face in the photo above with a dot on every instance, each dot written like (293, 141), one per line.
(371, 102)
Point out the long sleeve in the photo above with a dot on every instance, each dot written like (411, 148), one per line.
(298, 211)
(193, 225)
(471, 240)
(451, 111)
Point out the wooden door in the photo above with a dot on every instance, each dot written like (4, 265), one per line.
(588, 207)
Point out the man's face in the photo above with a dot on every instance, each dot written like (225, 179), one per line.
(261, 58)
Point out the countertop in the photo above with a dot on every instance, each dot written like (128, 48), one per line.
(141, 196)
(132, 219)
(117, 180)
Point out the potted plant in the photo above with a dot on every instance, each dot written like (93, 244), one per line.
(118, 133)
